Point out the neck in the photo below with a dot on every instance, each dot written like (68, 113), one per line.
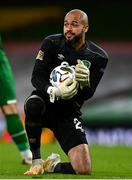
(80, 44)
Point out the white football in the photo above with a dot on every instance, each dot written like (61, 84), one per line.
(61, 73)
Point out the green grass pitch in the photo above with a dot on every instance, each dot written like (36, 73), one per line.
(107, 162)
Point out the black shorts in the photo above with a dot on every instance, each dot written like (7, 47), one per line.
(66, 126)
(68, 131)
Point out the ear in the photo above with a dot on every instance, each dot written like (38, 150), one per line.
(86, 28)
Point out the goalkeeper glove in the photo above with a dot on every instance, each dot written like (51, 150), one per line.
(82, 74)
(36, 168)
(66, 90)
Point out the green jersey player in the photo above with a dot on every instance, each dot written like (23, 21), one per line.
(9, 107)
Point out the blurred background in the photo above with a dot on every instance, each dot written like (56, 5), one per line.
(23, 25)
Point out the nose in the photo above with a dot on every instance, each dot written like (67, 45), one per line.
(69, 27)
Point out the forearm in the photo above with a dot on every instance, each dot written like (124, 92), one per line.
(40, 84)
(40, 77)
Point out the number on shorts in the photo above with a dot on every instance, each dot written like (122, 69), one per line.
(78, 125)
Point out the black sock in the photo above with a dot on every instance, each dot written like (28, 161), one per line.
(36, 153)
(34, 137)
(65, 168)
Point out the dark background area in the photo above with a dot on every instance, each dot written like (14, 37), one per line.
(109, 20)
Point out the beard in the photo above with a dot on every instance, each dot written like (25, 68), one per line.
(76, 39)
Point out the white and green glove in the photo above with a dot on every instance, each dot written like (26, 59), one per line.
(36, 168)
(82, 74)
(65, 90)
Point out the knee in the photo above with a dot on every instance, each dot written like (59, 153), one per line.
(34, 106)
(80, 159)
(83, 169)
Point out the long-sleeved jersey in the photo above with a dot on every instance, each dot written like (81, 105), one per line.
(54, 50)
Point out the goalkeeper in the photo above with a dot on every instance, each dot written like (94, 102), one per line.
(58, 108)
(9, 108)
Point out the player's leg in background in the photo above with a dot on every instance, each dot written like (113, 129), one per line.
(17, 131)
(9, 108)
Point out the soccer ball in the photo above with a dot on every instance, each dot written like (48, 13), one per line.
(61, 73)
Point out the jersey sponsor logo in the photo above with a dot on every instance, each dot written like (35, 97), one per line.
(40, 55)
(60, 56)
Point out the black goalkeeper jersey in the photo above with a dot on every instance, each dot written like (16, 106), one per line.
(54, 50)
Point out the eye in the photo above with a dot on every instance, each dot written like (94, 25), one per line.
(65, 23)
(75, 23)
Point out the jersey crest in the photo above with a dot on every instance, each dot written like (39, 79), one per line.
(40, 55)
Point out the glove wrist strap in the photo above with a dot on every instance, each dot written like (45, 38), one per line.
(53, 93)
